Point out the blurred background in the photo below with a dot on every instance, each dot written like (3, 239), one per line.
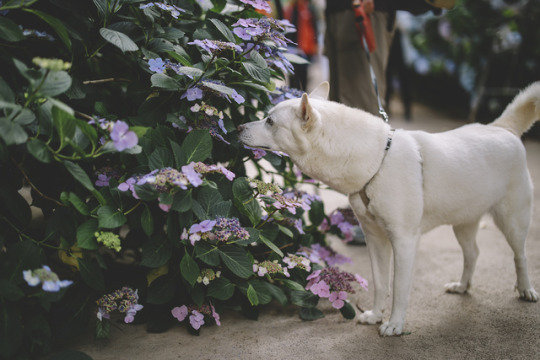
(467, 62)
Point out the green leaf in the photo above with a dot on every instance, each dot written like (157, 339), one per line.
(103, 328)
(293, 285)
(271, 245)
(237, 260)
(220, 288)
(80, 205)
(110, 218)
(310, 313)
(11, 132)
(165, 82)
(196, 147)
(295, 59)
(10, 291)
(286, 231)
(189, 269)
(257, 73)
(161, 291)
(147, 221)
(316, 213)
(276, 292)
(91, 273)
(244, 202)
(56, 24)
(156, 253)
(56, 83)
(64, 123)
(79, 174)
(304, 298)
(182, 201)
(86, 238)
(25, 117)
(190, 70)
(39, 150)
(219, 88)
(348, 311)
(252, 296)
(207, 253)
(11, 330)
(118, 39)
(5, 91)
(220, 209)
(9, 31)
(223, 29)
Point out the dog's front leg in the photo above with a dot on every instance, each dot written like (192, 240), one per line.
(404, 252)
(380, 253)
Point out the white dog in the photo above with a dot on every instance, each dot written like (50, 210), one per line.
(403, 184)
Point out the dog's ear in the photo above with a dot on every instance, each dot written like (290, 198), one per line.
(308, 116)
(321, 91)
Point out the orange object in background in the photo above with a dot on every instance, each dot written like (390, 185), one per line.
(363, 25)
(306, 36)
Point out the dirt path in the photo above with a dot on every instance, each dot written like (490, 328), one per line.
(488, 323)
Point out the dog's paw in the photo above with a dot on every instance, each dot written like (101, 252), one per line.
(456, 288)
(528, 295)
(369, 317)
(391, 329)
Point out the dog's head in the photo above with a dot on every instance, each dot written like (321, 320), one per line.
(290, 125)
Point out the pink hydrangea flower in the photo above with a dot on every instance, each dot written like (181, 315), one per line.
(196, 319)
(180, 312)
(337, 299)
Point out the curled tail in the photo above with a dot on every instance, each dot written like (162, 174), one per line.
(523, 111)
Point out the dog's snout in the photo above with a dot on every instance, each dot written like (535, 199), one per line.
(241, 128)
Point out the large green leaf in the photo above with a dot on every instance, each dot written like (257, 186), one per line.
(156, 253)
(223, 29)
(161, 290)
(79, 174)
(252, 296)
(221, 289)
(86, 238)
(207, 253)
(348, 311)
(256, 72)
(118, 39)
(244, 201)
(271, 245)
(91, 273)
(9, 31)
(164, 82)
(147, 221)
(189, 269)
(109, 218)
(237, 260)
(56, 24)
(196, 147)
(11, 132)
(39, 150)
(56, 83)
(310, 313)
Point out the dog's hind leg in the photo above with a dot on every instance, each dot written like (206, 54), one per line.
(466, 236)
(513, 217)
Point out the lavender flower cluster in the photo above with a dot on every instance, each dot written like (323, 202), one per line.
(119, 132)
(215, 46)
(50, 282)
(220, 230)
(258, 30)
(196, 319)
(163, 180)
(323, 255)
(344, 220)
(305, 199)
(258, 4)
(334, 284)
(174, 10)
(104, 175)
(270, 268)
(125, 300)
(283, 93)
(297, 261)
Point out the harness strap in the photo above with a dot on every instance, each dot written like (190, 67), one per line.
(362, 192)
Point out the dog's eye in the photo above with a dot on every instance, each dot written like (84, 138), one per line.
(269, 122)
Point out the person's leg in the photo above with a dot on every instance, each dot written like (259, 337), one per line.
(330, 50)
(351, 65)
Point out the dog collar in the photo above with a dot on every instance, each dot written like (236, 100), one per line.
(362, 192)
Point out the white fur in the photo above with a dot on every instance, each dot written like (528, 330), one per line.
(425, 180)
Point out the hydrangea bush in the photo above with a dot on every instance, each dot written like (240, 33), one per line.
(124, 194)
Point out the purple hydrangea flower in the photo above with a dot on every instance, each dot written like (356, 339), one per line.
(258, 4)
(337, 299)
(180, 313)
(48, 279)
(193, 176)
(196, 319)
(121, 136)
(156, 65)
(214, 46)
(192, 94)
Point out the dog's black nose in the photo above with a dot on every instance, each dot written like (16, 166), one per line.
(240, 128)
